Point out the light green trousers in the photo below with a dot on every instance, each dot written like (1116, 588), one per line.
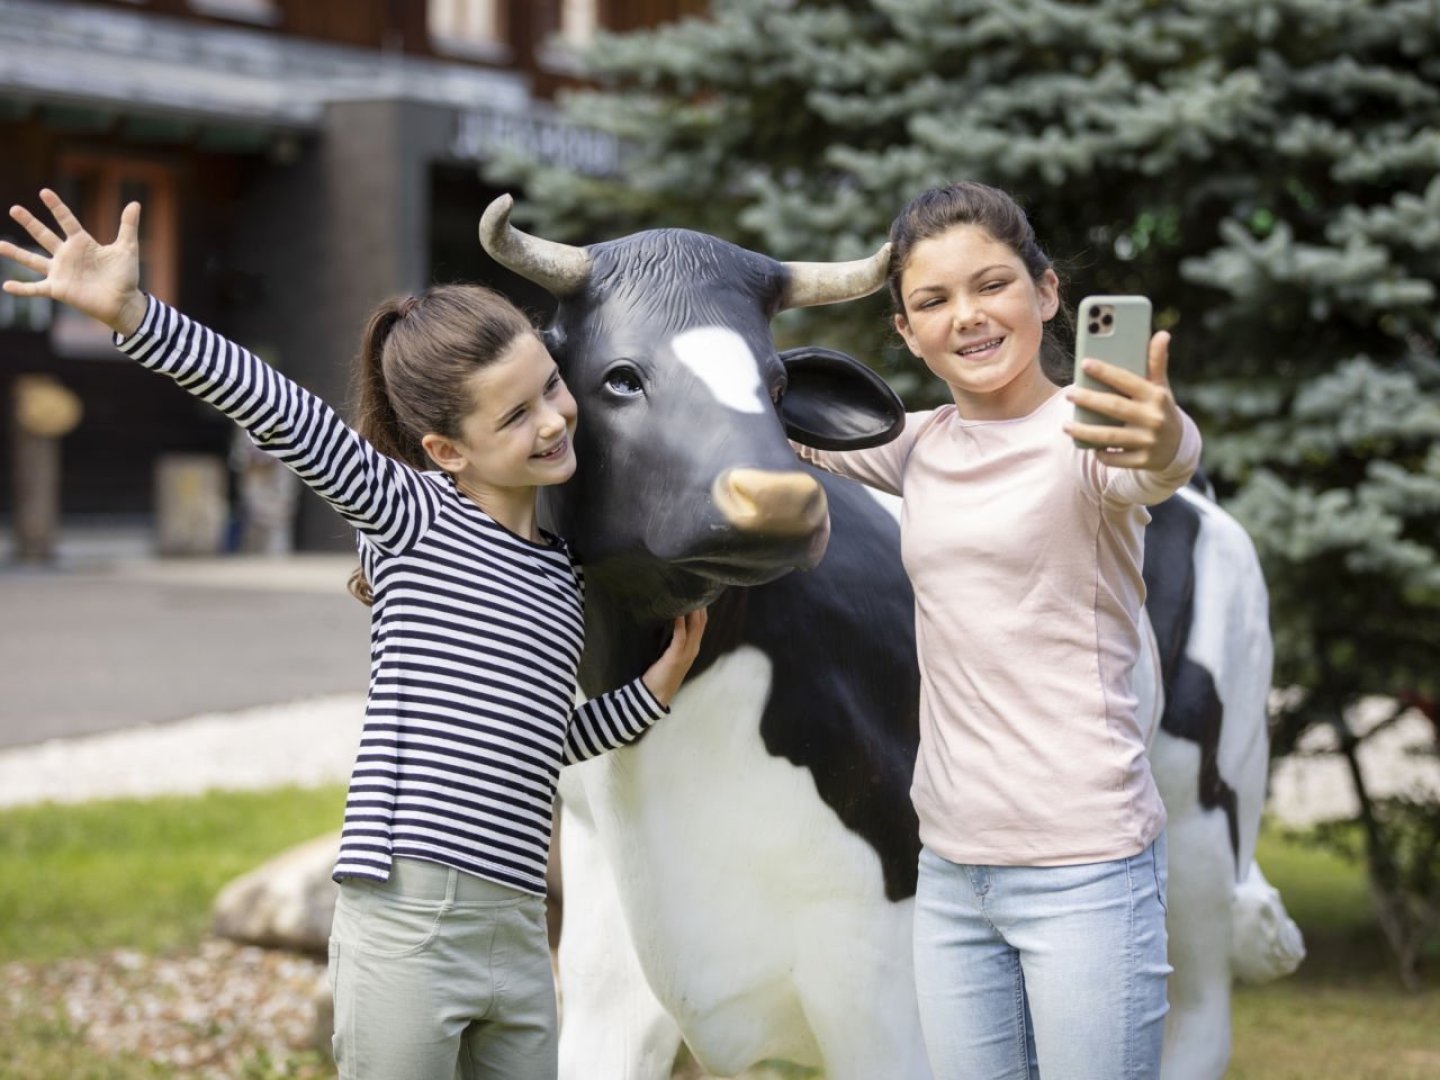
(438, 975)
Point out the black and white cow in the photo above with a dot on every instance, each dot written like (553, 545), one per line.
(743, 877)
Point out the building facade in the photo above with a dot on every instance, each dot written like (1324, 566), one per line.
(298, 161)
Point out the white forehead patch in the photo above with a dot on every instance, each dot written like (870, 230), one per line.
(721, 360)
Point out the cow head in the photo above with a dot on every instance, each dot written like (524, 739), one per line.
(685, 482)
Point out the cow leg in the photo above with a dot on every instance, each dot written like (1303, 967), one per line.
(1201, 888)
(611, 1024)
(875, 964)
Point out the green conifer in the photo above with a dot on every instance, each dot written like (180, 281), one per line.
(1268, 171)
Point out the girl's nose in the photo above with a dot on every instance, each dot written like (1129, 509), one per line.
(553, 421)
(967, 315)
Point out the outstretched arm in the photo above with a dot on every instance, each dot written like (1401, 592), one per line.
(99, 280)
(387, 501)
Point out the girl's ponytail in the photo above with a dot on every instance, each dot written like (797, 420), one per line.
(375, 416)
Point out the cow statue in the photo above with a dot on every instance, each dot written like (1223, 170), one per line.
(743, 876)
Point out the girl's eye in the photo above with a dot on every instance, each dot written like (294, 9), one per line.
(624, 380)
(552, 385)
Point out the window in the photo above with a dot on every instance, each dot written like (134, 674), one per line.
(97, 187)
(263, 12)
(466, 25)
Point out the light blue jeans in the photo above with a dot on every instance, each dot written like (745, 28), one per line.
(1056, 972)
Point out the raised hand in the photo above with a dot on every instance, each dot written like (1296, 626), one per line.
(664, 676)
(1151, 436)
(99, 280)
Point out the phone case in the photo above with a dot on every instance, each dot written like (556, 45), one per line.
(1115, 329)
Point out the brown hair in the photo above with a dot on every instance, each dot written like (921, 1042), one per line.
(415, 358)
(940, 209)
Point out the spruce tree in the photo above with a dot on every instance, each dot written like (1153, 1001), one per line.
(1268, 171)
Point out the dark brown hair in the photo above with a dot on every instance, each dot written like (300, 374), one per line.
(415, 359)
(940, 209)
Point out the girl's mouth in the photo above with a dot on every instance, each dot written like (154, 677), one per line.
(555, 452)
(980, 349)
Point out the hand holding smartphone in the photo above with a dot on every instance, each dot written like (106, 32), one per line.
(1115, 330)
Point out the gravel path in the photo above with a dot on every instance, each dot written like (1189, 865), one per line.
(306, 743)
(214, 1014)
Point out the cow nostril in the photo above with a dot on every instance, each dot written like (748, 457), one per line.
(773, 503)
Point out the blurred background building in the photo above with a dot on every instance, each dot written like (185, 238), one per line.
(298, 161)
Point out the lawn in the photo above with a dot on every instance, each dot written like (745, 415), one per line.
(139, 873)
(142, 874)
(1343, 1015)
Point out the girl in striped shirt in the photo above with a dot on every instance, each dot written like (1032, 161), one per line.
(439, 960)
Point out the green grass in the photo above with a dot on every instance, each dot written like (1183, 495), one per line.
(143, 874)
(1343, 1015)
(140, 874)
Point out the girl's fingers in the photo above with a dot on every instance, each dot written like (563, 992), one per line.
(27, 259)
(1127, 382)
(37, 229)
(1122, 408)
(1160, 358)
(688, 630)
(26, 288)
(1103, 435)
(69, 223)
(130, 225)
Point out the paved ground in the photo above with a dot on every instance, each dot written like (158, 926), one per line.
(122, 674)
(113, 638)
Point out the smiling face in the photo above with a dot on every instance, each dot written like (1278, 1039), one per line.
(519, 435)
(977, 318)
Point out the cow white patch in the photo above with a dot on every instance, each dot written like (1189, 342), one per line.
(757, 919)
(721, 360)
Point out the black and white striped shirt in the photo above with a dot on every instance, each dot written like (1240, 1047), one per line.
(475, 634)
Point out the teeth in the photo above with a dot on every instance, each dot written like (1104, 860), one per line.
(981, 347)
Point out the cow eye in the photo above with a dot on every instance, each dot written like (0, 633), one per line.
(777, 393)
(624, 380)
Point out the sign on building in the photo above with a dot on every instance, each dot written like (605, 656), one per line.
(482, 133)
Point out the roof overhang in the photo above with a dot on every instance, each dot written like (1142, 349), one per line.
(83, 65)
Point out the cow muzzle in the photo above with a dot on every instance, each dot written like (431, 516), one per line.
(766, 503)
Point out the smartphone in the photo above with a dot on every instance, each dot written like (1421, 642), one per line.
(1115, 329)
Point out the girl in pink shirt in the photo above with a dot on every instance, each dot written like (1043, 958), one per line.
(1040, 910)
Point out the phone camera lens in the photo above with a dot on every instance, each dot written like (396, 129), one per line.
(1107, 319)
(1094, 328)
(1095, 312)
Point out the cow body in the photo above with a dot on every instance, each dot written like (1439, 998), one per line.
(758, 917)
(743, 876)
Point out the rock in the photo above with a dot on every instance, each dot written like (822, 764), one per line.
(286, 903)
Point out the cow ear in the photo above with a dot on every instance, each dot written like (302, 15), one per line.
(834, 402)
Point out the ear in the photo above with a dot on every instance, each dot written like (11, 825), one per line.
(443, 452)
(902, 327)
(834, 402)
(1048, 289)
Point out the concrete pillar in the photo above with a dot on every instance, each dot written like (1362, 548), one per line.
(45, 411)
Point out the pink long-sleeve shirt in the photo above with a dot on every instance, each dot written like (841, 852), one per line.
(1025, 556)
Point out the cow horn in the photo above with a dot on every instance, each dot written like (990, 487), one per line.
(559, 268)
(808, 284)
